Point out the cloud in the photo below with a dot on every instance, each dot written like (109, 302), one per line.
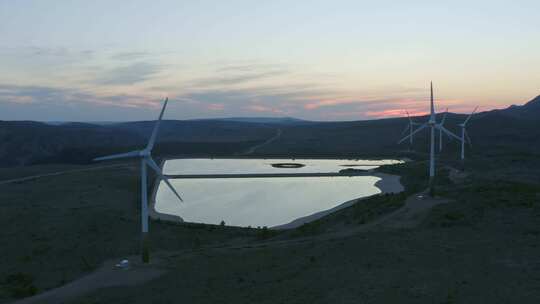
(235, 79)
(264, 109)
(47, 53)
(129, 74)
(67, 104)
(231, 75)
(129, 55)
(31, 94)
(390, 113)
(237, 102)
(41, 51)
(52, 96)
(64, 103)
(294, 95)
(288, 100)
(216, 107)
(327, 103)
(250, 67)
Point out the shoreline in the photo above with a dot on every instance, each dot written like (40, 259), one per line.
(152, 212)
(387, 183)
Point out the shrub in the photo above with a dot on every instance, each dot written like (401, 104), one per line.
(20, 285)
(454, 215)
(265, 233)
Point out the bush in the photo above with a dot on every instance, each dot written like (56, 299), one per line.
(20, 285)
(454, 215)
(265, 233)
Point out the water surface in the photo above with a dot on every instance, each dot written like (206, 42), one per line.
(253, 166)
(260, 201)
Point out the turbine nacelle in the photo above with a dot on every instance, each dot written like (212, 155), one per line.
(145, 153)
(432, 122)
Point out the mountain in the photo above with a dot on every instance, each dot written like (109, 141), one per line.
(530, 110)
(265, 120)
(534, 104)
(511, 131)
(26, 142)
(507, 131)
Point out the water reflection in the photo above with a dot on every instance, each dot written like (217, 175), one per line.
(259, 201)
(247, 166)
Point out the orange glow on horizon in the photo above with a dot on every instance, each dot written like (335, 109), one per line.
(394, 113)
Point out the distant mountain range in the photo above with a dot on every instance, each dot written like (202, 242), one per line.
(530, 110)
(514, 129)
(265, 120)
(28, 142)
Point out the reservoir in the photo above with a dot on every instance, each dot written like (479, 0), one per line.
(265, 201)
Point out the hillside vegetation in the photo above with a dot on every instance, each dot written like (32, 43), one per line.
(512, 131)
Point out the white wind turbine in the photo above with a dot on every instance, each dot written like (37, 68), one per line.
(432, 124)
(410, 128)
(145, 157)
(464, 134)
(440, 131)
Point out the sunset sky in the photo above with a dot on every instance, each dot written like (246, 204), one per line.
(317, 60)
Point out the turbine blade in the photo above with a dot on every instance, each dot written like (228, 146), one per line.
(444, 117)
(152, 140)
(156, 168)
(432, 106)
(407, 127)
(121, 155)
(411, 121)
(466, 120)
(468, 138)
(450, 134)
(166, 180)
(412, 134)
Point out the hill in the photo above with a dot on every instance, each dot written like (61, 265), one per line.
(477, 242)
(512, 130)
(266, 120)
(26, 143)
(528, 111)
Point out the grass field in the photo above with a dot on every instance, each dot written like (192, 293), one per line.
(482, 247)
(57, 228)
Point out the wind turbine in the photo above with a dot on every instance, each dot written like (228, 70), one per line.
(464, 134)
(440, 131)
(410, 127)
(145, 157)
(432, 124)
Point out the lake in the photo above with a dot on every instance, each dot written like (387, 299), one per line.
(263, 201)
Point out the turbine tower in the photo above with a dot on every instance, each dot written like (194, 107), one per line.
(464, 134)
(440, 131)
(410, 128)
(145, 157)
(432, 124)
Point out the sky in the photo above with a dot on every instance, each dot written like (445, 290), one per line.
(117, 60)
